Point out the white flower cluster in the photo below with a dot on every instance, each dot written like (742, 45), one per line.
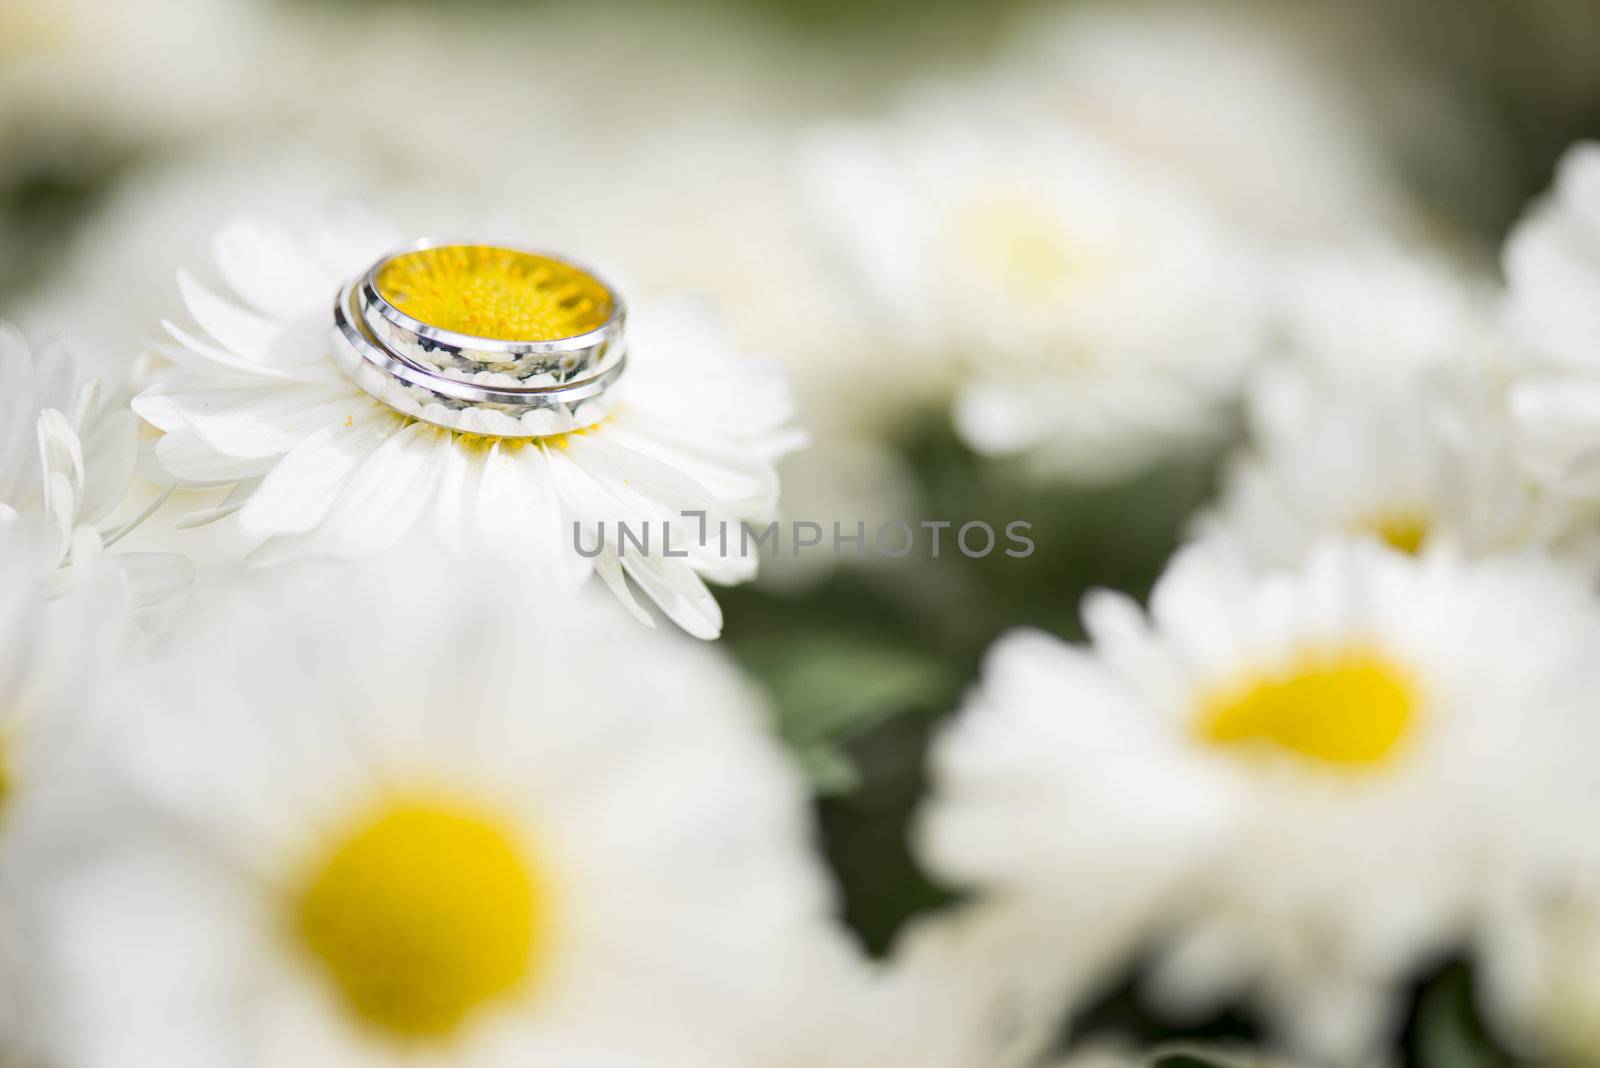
(1349, 733)
(394, 784)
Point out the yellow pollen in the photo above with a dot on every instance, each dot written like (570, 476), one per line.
(422, 914)
(494, 293)
(1400, 530)
(1349, 708)
(561, 440)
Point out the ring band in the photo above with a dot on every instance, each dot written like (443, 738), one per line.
(545, 338)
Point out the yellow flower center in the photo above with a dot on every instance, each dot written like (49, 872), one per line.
(1349, 708)
(422, 914)
(6, 782)
(1017, 239)
(1404, 531)
(495, 293)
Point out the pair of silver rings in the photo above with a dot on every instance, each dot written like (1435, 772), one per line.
(483, 338)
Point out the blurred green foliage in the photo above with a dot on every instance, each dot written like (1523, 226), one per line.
(863, 666)
(41, 208)
(1445, 1030)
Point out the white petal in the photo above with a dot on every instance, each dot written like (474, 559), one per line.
(680, 593)
(192, 352)
(519, 514)
(235, 500)
(111, 451)
(381, 502)
(297, 493)
(157, 584)
(609, 569)
(260, 422)
(61, 459)
(265, 265)
(630, 472)
(19, 465)
(547, 536)
(742, 479)
(288, 345)
(243, 332)
(55, 372)
(455, 506)
(184, 455)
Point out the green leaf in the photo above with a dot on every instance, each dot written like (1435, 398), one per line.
(1449, 1032)
(830, 690)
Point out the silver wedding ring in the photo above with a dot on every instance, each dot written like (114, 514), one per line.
(483, 338)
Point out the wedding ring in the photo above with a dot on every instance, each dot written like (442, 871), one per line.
(483, 338)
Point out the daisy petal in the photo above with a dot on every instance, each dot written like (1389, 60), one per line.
(297, 493)
(19, 469)
(680, 593)
(381, 501)
(267, 267)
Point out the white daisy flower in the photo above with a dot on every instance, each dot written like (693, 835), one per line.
(372, 817)
(112, 277)
(1552, 262)
(1387, 420)
(318, 467)
(67, 456)
(1417, 465)
(966, 988)
(58, 641)
(1302, 777)
(963, 988)
(127, 70)
(1538, 960)
(1540, 971)
(747, 243)
(1239, 102)
(1101, 315)
(1374, 311)
(948, 995)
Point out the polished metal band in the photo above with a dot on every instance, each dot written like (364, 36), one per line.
(472, 384)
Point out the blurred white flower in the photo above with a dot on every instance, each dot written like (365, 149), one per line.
(133, 69)
(1234, 100)
(1418, 465)
(1302, 776)
(59, 641)
(1552, 262)
(1099, 316)
(374, 816)
(321, 468)
(966, 987)
(1387, 419)
(1537, 964)
(114, 283)
(1374, 312)
(746, 243)
(950, 994)
(539, 133)
(112, 278)
(1540, 972)
(67, 456)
